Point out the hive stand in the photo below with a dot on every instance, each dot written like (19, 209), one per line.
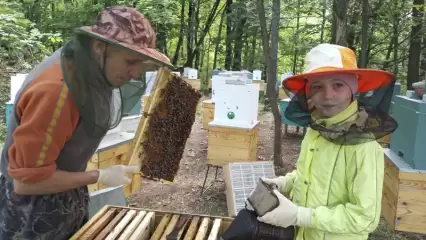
(404, 195)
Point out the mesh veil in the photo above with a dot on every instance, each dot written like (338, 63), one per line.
(372, 123)
(101, 106)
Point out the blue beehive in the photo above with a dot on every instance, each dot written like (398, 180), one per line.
(9, 107)
(283, 106)
(409, 139)
(396, 92)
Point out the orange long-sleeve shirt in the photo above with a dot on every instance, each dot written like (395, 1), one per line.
(48, 118)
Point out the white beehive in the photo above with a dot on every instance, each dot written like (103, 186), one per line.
(257, 75)
(236, 105)
(241, 179)
(150, 78)
(15, 84)
(285, 76)
(190, 73)
(217, 80)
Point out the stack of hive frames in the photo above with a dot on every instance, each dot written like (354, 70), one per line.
(113, 222)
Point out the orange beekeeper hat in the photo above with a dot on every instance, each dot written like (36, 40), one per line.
(326, 59)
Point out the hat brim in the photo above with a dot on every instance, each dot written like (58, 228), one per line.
(158, 58)
(368, 79)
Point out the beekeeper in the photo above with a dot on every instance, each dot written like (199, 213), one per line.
(63, 110)
(336, 190)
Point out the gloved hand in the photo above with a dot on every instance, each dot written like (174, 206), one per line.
(248, 205)
(287, 214)
(279, 181)
(116, 175)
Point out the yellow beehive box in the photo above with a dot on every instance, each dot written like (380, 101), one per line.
(261, 85)
(195, 83)
(404, 195)
(228, 144)
(208, 113)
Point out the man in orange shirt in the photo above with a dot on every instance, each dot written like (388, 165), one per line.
(63, 110)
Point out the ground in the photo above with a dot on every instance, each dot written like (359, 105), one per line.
(186, 189)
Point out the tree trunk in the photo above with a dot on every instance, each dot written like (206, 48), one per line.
(218, 39)
(270, 53)
(415, 44)
(228, 57)
(210, 19)
(239, 33)
(181, 33)
(340, 10)
(364, 35)
(191, 30)
(296, 51)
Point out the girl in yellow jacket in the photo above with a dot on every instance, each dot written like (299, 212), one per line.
(335, 192)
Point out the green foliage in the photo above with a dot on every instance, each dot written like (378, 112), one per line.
(21, 43)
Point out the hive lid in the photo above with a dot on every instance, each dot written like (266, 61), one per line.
(241, 179)
(410, 103)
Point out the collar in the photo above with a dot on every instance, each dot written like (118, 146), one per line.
(348, 115)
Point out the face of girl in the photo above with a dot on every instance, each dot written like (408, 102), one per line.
(330, 96)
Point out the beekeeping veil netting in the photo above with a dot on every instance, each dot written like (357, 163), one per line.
(101, 106)
(372, 120)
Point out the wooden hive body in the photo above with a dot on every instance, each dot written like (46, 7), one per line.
(119, 223)
(404, 195)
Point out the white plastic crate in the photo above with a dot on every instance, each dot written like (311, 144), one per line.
(236, 105)
(241, 179)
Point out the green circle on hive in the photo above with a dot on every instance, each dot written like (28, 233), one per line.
(231, 115)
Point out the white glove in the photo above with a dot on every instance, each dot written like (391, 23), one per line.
(116, 175)
(279, 181)
(287, 214)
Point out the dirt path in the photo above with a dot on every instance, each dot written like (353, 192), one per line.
(186, 189)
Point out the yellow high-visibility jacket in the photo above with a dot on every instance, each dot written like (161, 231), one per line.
(341, 183)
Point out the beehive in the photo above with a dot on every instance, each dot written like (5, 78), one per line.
(113, 222)
(195, 83)
(404, 195)
(227, 144)
(261, 85)
(237, 112)
(257, 75)
(409, 139)
(208, 113)
(190, 73)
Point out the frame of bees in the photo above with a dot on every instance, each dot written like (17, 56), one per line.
(168, 116)
(113, 222)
